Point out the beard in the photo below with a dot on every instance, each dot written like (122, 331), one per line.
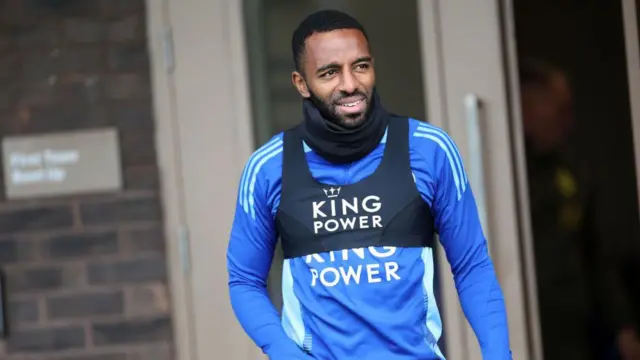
(329, 108)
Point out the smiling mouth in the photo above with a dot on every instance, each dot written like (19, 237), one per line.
(351, 104)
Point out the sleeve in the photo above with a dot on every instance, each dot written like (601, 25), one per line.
(461, 235)
(249, 255)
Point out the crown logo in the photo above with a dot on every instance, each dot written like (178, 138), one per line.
(332, 192)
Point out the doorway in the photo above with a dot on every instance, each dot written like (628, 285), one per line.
(581, 171)
(276, 105)
(450, 49)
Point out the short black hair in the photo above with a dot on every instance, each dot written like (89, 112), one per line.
(320, 22)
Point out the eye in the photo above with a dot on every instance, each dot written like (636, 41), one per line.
(328, 73)
(362, 66)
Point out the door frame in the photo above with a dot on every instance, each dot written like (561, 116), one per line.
(204, 135)
(168, 150)
(432, 62)
(181, 114)
(522, 182)
(632, 46)
(454, 31)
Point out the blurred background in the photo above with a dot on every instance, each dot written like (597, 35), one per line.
(125, 125)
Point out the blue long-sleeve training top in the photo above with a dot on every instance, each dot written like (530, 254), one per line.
(376, 298)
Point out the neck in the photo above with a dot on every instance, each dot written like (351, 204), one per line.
(339, 144)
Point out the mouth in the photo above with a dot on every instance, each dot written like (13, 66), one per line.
(352, 106)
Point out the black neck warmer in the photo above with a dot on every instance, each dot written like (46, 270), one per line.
(339, 144)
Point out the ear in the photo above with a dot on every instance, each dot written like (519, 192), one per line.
(300, 84)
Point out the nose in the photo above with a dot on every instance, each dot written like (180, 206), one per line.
(349, 84)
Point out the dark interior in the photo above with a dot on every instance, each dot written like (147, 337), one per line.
(586, 39)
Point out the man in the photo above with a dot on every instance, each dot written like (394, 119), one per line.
(355, 195)
(580, 294)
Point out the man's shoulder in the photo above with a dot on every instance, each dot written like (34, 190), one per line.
(429, 140)
(266, 161)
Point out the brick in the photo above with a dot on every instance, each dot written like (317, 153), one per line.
(38, 65)
(125, 29)
(14, 250)
(78, 8)
(80, 117)
(44, 278)
(142, 209)
(77, 102)
(37, 279)
(48, 339)
(42, 218)
(132, 331)
(148, 300)
(111, 356)
(134, 117)
(83, 30)
(9, 251)
(81, 245)
(128, 57)
(10, 63)
(16, 121)
(74, 88)
(44, 35)
(8, 99)
(60, 117)
(142, 177)
(113, 8)
(23, 311)
(37, 95)
(87, 59)
(138, 148)
(6, 41)
(79, 89)
(128, 86)
(154, 353)
(145, 240)
(65, 115)
(17, 14)
(85, 305)
(127, 271)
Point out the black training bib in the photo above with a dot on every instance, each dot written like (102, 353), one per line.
(384, 209)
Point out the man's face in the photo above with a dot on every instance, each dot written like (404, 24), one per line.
(338, 75)
(547, 113)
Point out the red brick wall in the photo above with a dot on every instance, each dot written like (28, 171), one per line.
(87, 277)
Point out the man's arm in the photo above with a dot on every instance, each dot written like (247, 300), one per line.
(249, 255)
(458, 224)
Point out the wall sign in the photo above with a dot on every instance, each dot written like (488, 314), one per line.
(61, 163)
